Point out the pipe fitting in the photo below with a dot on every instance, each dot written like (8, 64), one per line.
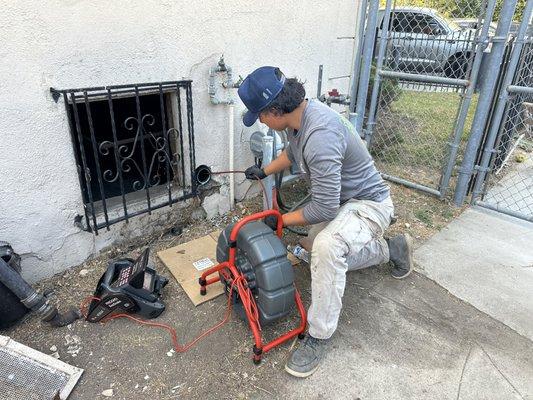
(202, 175)
(227, 82)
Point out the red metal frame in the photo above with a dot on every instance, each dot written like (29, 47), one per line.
(230, 271)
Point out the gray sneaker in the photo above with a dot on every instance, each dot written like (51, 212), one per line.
(305, 358)
(401, 255)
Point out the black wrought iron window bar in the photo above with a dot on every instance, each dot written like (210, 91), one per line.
(134, 148)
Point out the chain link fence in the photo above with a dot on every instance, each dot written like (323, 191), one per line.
(450, 98)
(509, 184)
(419, 110)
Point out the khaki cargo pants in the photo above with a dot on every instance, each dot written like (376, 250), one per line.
(351, 241)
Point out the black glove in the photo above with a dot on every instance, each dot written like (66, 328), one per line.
(254, 172)
(271, 221)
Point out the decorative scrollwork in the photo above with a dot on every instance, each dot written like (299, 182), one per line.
(157, 161)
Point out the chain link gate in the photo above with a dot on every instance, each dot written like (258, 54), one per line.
(425, 68)
(504, 181)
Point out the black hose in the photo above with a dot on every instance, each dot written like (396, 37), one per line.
(32, 299)
(278, 179)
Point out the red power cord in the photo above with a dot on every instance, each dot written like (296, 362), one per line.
(246, 298)
(173, 335)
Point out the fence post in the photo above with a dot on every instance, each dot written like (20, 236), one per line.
(467, 100)
(358, 44)
(377, 77)
(502, 101)
(368, 50)
(484, 103)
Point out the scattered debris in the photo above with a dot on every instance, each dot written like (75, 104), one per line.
(520, 158)
(83, 272)
(108, 393)
(73, 344)
(175, 388)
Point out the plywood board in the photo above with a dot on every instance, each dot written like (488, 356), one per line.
(181, 261)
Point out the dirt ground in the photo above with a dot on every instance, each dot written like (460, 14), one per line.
(136, 362)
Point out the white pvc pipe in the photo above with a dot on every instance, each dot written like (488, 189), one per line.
(231, 109)
(268, 182)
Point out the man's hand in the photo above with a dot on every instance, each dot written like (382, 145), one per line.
(254, 172)
(271, 221)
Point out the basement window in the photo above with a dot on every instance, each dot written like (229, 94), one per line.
(134, 148)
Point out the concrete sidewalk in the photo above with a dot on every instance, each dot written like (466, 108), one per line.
(486, 259)
(411, 339)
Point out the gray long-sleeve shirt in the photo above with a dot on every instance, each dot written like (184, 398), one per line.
(335, 161)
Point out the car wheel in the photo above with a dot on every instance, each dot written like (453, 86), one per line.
(456, 66)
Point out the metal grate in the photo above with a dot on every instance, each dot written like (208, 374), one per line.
(134, 148)
(30, 375)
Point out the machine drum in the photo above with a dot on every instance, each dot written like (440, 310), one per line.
(262, 258)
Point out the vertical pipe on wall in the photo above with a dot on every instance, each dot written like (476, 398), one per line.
(319, 83)
(268, 182)
(231, 109)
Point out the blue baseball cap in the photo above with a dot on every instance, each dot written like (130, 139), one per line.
(258, 90)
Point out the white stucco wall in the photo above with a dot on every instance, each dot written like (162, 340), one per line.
(76, 43)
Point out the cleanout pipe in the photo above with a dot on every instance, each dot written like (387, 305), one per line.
(33, 300)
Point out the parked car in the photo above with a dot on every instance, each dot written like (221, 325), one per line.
(472, 23)
(514, 29)
(423, 40)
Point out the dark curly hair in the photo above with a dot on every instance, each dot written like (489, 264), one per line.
(290, 97)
